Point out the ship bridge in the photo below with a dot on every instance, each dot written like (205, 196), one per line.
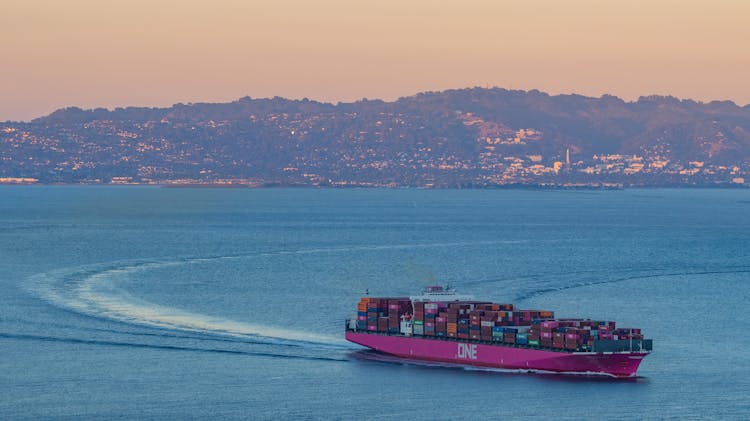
(440, 293)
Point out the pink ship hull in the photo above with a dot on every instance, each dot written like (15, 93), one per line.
(498, 356)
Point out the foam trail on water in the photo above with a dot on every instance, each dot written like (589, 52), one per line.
(96, 289)
(92, 291)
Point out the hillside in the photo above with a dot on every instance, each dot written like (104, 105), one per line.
(466, 137)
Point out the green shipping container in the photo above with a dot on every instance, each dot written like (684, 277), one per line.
(418, 322)
(533, 342)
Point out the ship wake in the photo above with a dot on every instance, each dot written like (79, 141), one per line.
(93, 290)
(637, 277)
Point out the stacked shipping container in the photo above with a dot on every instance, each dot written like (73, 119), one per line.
(382, 314)
(488, 322)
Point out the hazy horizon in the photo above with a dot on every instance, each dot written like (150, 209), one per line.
(114, 107)
(154, 54)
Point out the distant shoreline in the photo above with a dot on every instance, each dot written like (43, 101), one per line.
(337, 187)
(465, 138)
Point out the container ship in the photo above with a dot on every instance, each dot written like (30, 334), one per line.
(442, 326)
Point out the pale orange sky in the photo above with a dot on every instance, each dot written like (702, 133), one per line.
(109, 53)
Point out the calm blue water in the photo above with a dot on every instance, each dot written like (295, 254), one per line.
(170, 303)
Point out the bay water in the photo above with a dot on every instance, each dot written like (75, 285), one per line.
(148, 302)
